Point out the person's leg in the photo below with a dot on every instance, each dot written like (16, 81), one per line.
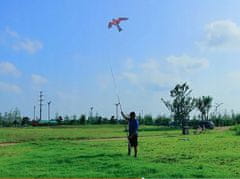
(129, 148)
(135, 151)
(135, 145)
(129, 145)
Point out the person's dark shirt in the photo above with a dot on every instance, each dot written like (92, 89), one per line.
(133, 126)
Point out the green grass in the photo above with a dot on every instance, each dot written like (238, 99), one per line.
(65, 152)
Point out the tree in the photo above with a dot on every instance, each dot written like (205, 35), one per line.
(113, 120)
(204, 104)
(73, 119)
(16, 115)
(25, 121)
(148, 120)
(82, 119)
(181, 106)
(59, 119)
(1, 119)
(162, 120)
(66, 119)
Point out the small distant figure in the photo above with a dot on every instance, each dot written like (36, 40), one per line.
(116, 22)
(133, 125)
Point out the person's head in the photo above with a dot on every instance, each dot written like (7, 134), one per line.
(132, 115)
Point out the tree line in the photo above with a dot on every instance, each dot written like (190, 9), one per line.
(180, 107)
(14, 119)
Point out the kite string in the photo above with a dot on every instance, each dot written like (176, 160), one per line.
(115, 85)
(118, 97)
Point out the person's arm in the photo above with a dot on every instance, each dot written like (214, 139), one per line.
(124, 116)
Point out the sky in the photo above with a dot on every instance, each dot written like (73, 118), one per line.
(64, 48)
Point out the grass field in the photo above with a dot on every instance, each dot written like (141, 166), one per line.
(101, 151)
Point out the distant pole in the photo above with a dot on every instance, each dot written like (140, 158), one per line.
(117, 104)
(49, 103)
(41, 104)
(34, 113)
(91, 112)
(216, 107)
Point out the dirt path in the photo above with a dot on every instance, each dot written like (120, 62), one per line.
(223, 128)
(4, 144)
(120, 138)
(7, 144)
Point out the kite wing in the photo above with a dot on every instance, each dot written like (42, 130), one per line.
(122, 18)
(110, 25)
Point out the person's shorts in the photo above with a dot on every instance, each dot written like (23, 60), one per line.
(133, 140)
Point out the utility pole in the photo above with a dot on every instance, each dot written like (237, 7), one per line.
(49, 103)
(40, 104)
(117, 104)
(91, 112)
(34, 112)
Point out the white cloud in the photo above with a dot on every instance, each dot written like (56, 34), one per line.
(150, 75)
(131, 76)
(221, 35)
(38, 80)
(6, 87)
(30, 46)
(8, 68)
(187, 63)
(12, 33)
(24, 44)
(162, 74)
(129, 64)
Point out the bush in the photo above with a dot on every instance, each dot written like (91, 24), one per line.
(237, 119)
(148, 120)
(236, 129)
(162, 120)
(113, 120)
(82, 120)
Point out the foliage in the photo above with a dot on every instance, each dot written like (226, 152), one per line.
(162, 121)
(12, 118)
(236, 129)
(82, 119)
(204, 104)
(113, 120)
(182, 104)
(148, 120)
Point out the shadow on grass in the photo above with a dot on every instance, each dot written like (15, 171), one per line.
(157, 129)
(89, 157)
(97, 156)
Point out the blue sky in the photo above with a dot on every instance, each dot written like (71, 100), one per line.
(64, 49)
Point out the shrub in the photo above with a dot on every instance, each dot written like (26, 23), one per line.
(236, 129)
(148, 120)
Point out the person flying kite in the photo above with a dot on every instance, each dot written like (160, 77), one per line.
(133, 126)
(116, 22)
